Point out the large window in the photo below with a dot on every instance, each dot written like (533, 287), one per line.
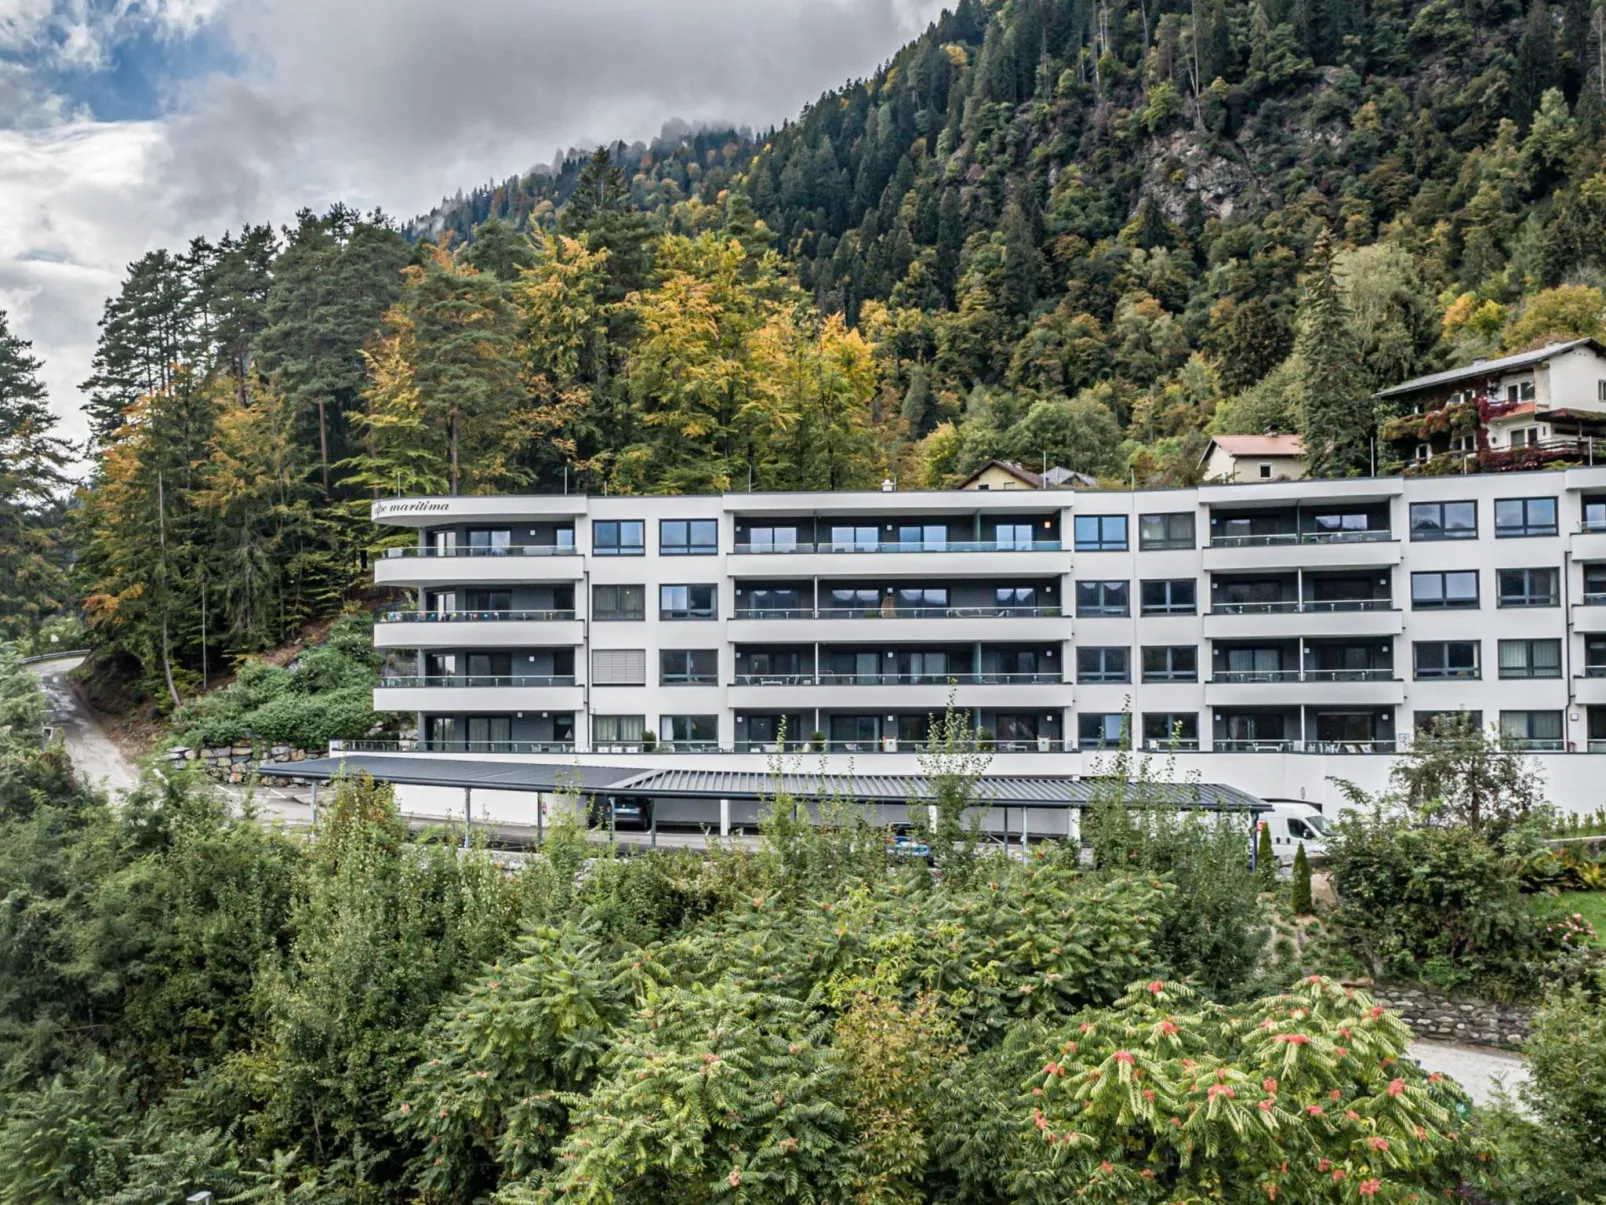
(1530, 658)
(1103, 598)
(688, 667)
(689, 731)
(1103, 664)
(612, 730)
(849, 538)
(1515, 518)
(772, 539)
(926, 537)
(1015, 598)
(686, 602)
(1448, 659)
(1171, 663)
(1444, 520)
(1103, 730)
(619, 537)
(1171, 596)
(1529, 587)
(1531, 729)
(1101, 533)
(773, 600)
(1439, 591)
(688, 537)
(1171, 730)
(1158, 532)
(1595, 657)
(618, 602)
(1595, 507)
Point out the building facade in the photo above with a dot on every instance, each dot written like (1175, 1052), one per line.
(1273, 636)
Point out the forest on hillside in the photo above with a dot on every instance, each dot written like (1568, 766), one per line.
(1085, 232)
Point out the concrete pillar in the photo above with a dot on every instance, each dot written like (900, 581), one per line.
(724, 817)
(468, 815)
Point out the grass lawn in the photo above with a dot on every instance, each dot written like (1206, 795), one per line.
(1591, 903)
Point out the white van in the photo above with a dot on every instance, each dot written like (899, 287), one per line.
(1292, 823)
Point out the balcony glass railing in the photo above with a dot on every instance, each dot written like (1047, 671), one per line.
(473, 680)
(1595, 598)
(466, 550)
(1240, 676)
(1597, 746)
(1380, 674)
(1286, 538)
(895, 546)
(1309, 675)
(464, 746)
(1324, 606)
(876, 612)
(1378, 746)
(1592, 527)
(1254, 746)
(894, 678)
(1534, 744)
(1595, 671)
(550, 616)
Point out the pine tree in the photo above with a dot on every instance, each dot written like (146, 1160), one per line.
(1265, 860)
(1300, 887)
(1338, 414)
(499, 249)
(1538, 67)
(33, 581)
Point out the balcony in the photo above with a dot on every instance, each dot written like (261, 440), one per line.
(901, 690)
(871, 624)
(897, 558)
(464, 693)
(1302, 550)
(1588, 543)
(1589, 615)
(1329, 748)
(1590, 688)
(1313, 618)
(476, 629)
(510, 565)
(1291, 687)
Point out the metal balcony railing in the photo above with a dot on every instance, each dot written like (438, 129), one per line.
(548, 616)
(877, 612)
(1238, 676)
(894, 678)
(1325, 606)
(466, 550)
(476, 680)
(1595, 598)
(1288, 538)
(1243, 676)
(897, 546)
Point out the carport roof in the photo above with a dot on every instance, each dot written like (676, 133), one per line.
(1042, 791)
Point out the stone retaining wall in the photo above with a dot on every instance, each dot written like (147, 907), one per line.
(236, 763)
(1446, 1019)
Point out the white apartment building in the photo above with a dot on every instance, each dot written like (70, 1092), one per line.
(1273, 637)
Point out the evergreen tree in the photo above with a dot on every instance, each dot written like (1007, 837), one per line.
(499, 249)
(1300, 886)
(1538, 67)
(33, 582)
(1265, 859)
(1339, 422)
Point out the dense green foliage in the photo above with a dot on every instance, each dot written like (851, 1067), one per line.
(33, 578)
(326, 693)
(1299, 887)
(1061, 231)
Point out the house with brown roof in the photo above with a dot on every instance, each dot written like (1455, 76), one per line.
(1269, 457)
(1009, 475)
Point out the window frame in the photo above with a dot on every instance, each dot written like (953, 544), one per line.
(664, 725)
(1103, 542)
(1103, 612)
(1528, 530)
(1170, 608)
(1445, 673)
(1171, 673)
(1104, 674)
(1183, 741)
(1442, 532)
(690, 676)
(618, 528)
(690, 547)
(1123, 739)
(1527, 672)
(690, 613)
(1169, 542)
(622, 615)
(1444, 603)
(1526, 599)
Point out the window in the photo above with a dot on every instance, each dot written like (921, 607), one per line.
(618, 602)
(1595, 512)
(1595, 657)
(686, 602)
(773, 600)
(1013, 536)
(772, 539)
(847, 538)
(1100, 533)
(1171, 663)
(1338, 524)
(775, 667)
(1252, 664)
(1439, 591)
(1171, 596)
(619, 537)
(1448, 659)
(1530, 658)
(1102, 598)
(1015, 598)
(1016, 731)
(1531, 729)
(932, 537)
(1253, 596)
(688, 667)
(1594, 584)
(1515, 518)
(868, 601)
(489, 541)
(1426, 721)
(1265, 471)
(1106, 730)
(617, 730)
(619, 667)
(689, 731)
(1156, 532)
(688, 537)
(1167, 730)
(1103, 665)
(1529, 587)
(1444, 520)
(1521, 391)
(489, 733)
(918, 600)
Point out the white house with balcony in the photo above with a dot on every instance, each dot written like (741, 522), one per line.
(1523, 411)
(1273, 637)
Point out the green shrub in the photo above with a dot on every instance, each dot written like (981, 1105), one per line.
(1299, 888)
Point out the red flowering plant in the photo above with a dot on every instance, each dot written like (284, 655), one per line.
(1302, 1097)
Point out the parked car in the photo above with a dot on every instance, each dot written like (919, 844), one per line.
(625, 812)
(1292, 823)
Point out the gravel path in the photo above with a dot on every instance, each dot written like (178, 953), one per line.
(1477, 1069)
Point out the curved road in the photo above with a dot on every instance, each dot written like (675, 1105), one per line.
(94, 756)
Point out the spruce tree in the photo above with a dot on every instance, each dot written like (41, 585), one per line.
(1265, 860)
(32, 579)
(1338, 413)
(1300, 888)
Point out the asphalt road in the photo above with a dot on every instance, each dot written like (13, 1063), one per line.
(1482, 1072)
(94, 756)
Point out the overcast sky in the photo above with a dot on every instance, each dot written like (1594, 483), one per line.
(128, 125)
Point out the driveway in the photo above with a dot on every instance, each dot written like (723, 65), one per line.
(93, 754)
(1481, 1071)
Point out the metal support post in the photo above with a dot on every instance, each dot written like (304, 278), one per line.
(724, 817)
